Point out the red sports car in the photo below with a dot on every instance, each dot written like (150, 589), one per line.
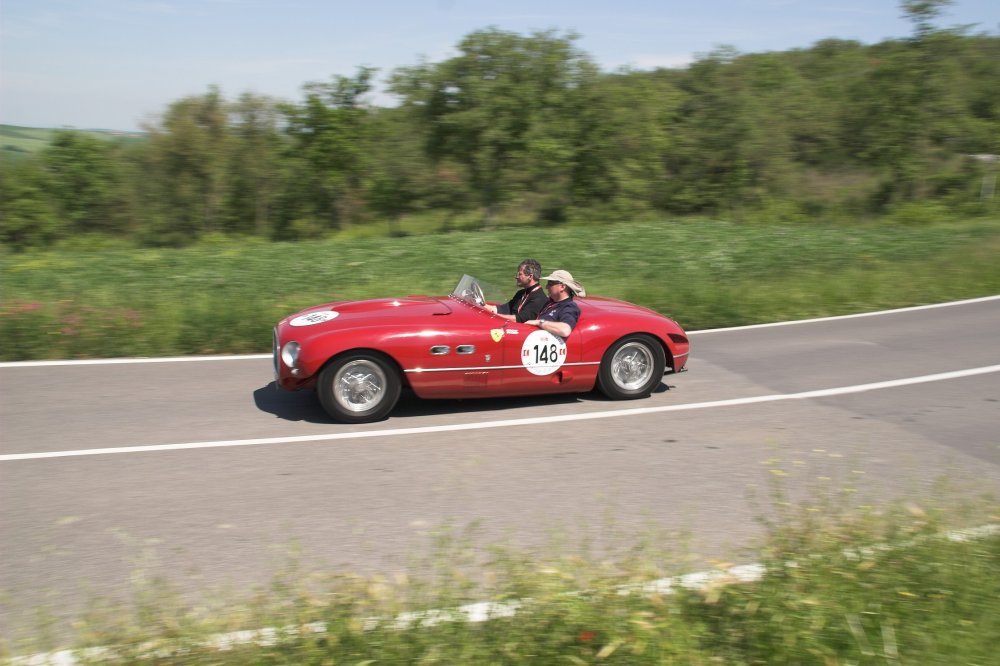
(359, 354)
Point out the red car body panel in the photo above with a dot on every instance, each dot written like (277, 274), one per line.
(450, 348)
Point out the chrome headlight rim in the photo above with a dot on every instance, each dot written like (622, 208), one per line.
(290, 354)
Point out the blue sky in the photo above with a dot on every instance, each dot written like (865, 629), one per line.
(118, 63)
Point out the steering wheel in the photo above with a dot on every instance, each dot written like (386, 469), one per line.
(477, 294)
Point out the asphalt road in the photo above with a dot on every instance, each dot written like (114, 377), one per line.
(229, 511)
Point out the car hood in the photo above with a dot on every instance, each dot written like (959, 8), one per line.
(377, 311)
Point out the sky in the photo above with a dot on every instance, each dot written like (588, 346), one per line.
(119, 64)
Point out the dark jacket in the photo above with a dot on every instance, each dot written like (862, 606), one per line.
(525, 306)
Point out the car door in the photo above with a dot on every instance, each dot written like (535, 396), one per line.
(536, 361)
(456, 358)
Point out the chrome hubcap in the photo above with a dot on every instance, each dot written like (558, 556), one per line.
(359, 386)
(632, 366)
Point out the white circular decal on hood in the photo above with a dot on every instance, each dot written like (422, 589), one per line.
(543, 353)
(314, 318)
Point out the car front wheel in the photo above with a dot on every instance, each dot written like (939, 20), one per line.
(359, 387)
(631, 368)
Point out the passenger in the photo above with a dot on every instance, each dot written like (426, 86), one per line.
(560, 314)
(528, 300)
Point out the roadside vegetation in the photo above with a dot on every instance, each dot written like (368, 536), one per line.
(224, 297)
(741, 189)
(841, 587)
(744, 188)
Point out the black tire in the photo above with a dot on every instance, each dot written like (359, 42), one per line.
(631, 368)
(359, 387)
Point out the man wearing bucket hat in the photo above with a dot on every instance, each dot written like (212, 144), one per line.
(560, 314)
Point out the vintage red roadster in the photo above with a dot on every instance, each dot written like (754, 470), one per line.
(358, 355)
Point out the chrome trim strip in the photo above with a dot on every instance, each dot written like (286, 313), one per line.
(488, 367)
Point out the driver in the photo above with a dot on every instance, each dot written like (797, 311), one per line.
(528, 300)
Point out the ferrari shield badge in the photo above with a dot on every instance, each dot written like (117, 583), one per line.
(496, 334)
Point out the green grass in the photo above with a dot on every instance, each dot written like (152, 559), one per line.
(223, 296)
(841, 587)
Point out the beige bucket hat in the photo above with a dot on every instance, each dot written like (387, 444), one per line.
(567, 279)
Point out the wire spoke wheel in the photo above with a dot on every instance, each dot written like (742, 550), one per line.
(360, 387)
(631, 368)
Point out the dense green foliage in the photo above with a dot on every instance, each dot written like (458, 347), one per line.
(223, 296)
(522, 129)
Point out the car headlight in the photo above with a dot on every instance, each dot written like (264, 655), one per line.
(290, 354)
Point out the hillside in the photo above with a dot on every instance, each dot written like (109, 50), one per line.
(29, 140)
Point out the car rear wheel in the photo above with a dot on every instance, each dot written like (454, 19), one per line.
(359, 387)
(631, 368)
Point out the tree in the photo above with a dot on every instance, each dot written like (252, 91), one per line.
(27, 217)
(921, 13)
(624, 134)
(709, 168)
(399, 175)
(188, 160)
(503, 108)
(253, 164)
(84, 182)
(328, 132)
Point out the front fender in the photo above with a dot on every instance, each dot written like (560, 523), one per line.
(403, 346)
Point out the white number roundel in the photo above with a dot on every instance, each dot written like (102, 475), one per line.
(314, 318)
(543, 353)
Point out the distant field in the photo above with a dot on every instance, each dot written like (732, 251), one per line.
(16, 140)
(224, 297)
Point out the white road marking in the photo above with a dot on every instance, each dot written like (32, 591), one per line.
(256, 357)
(125, 361)
(858, 315)
(537, 420)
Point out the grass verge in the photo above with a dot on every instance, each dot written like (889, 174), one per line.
(224, 296)
(841, 587)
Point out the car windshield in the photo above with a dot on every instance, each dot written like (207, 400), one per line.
(475, 291)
